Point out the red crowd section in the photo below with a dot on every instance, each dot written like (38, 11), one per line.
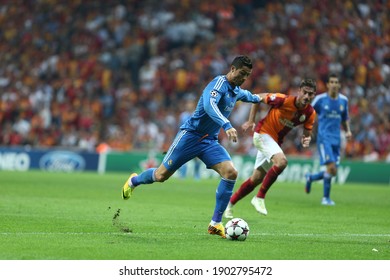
(78, 74)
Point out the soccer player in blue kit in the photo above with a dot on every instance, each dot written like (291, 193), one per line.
(198, 137)
(332, 112)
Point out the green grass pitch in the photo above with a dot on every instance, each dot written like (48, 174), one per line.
(81, 216)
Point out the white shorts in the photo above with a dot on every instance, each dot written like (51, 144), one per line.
(267, 147)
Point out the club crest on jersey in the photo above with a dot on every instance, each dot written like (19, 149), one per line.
(230, 107)
(302, 118)
(170, 162)
(272, 97)
(341, 108)
(214, 93)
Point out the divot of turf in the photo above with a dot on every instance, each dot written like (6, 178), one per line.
(116, 222)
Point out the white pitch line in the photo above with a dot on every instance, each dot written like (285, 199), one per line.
(178, 234)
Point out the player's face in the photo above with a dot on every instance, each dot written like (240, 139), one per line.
(333, 85)
(306, 95)
(239, 75)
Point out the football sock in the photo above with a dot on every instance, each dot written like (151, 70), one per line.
(327, 184)
(244, 189)
(146, 177)
(222, 197)
(269, 179)
(317, 176)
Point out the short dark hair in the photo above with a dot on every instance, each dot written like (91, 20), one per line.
(241, 61)
(308, 83)
(332, 75)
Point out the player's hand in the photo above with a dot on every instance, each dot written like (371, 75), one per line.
(247, 125)
(232, 134)
(259, 95)
(348, 135)
(305, 141)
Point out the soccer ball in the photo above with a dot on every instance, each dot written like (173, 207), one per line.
(236, 229)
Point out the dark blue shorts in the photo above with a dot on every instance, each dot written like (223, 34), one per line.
(188, 145)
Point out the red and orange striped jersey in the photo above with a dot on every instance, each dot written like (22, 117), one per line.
(284, 116)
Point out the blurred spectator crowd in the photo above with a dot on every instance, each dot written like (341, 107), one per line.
(80, 73)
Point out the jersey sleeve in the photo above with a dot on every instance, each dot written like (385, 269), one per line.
(210, 103)
(310, 121)
(247, 96)
(275, 99)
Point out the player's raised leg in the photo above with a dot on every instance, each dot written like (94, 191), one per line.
(175, 155)
(148, 176)
(128, 187)
(310, 177)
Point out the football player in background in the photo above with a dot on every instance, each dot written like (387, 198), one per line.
(332, 112)
(198, 137)
(285, 113)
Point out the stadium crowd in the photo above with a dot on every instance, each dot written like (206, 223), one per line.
(81, 73)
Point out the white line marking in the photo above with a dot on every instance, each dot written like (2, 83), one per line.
(186, 234)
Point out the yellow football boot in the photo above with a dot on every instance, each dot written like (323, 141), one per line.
(218, 229)
(127, 190)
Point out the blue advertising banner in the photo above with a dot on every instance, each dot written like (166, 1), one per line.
(20, 159)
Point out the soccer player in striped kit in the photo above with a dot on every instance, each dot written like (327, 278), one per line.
(198, 137)
(332, 112)
(285, 113)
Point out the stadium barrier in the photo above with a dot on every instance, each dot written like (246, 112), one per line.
(22, 159)
(349, 171)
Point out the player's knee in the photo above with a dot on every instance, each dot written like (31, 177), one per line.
(333, 172)
(256, 181)
(280, 160)
(230, 173)
(332, 169)
(282, 163)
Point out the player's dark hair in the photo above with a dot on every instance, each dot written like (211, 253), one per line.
(332, 75)
(308, 83)
(241, 61)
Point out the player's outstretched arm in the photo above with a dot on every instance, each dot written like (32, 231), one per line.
(262, 96)
(250, 123)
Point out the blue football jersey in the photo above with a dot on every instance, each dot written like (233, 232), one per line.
(215, 106)
(331, 113)
(184, 116)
